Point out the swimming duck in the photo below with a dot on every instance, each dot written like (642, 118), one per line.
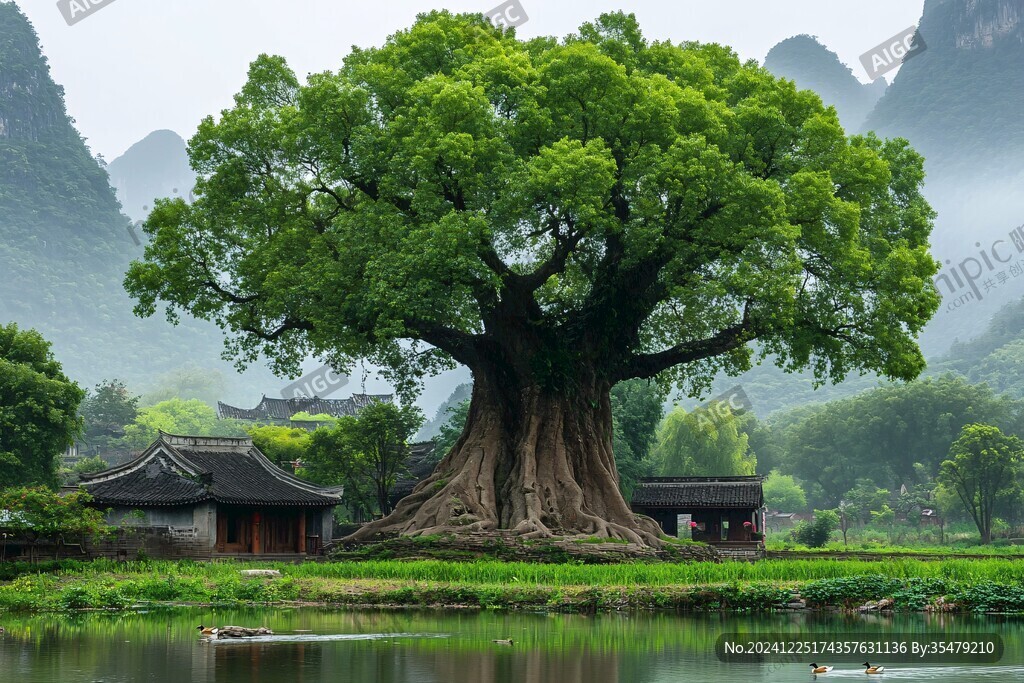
(503, 641)
(868, 669)
(204, 631)
(815, 669)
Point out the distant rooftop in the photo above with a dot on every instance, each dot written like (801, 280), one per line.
(285, 408)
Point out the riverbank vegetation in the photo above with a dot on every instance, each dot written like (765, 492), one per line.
(950, 585)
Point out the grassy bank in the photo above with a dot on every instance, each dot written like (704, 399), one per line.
(885, 549)
(965, 585)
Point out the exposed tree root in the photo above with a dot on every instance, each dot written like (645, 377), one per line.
(546, 471)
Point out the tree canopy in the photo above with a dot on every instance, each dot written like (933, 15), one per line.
(457, 179)
(106, 410)
(783, 493)
(884, 434)
(637, 410)
(282, 445)
(557, 215)
(38, 409)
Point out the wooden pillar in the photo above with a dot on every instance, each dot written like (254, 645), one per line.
(222, 528)
(256, 532)
(302, 532)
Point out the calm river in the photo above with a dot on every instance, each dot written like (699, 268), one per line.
(455, 647)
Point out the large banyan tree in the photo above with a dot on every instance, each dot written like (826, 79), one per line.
(557, 216)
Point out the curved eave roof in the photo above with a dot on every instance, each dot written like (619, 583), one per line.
(184, 470)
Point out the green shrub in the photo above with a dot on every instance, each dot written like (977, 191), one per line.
(112, 597)
(158, 589)
(989, 597)
(75, 597)
(852, 591)
(816, 534)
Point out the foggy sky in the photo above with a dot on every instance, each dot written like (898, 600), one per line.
(141, 65)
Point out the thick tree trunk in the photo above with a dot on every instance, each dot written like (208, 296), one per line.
(533, 461)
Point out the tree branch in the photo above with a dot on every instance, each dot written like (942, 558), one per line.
(645, 366)
(461, 346)
(564, 247)
(287, 326)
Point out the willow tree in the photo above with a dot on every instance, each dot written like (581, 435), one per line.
(558, 216)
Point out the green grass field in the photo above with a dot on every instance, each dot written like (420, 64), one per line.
(494, 572)
(762, 586)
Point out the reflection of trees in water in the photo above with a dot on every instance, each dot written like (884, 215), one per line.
(163, 647)
(512, 665)
(229, 662)
(406, 661)
(91, 647)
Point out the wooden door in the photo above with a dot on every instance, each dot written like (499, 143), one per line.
(234, 532)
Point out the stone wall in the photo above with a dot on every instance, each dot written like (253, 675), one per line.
(163, 532)
(156, 542)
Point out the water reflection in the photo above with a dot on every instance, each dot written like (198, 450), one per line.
(424, 647)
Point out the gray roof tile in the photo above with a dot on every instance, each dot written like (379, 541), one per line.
(699, 492)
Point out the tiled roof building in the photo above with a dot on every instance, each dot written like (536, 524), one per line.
(222, 491)
(722, 511)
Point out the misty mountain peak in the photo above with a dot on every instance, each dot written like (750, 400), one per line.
(959, 102)
(159, 141)
(812, 66)
(30, 102)
(982, 23)
(155, 166)
(64, 245)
